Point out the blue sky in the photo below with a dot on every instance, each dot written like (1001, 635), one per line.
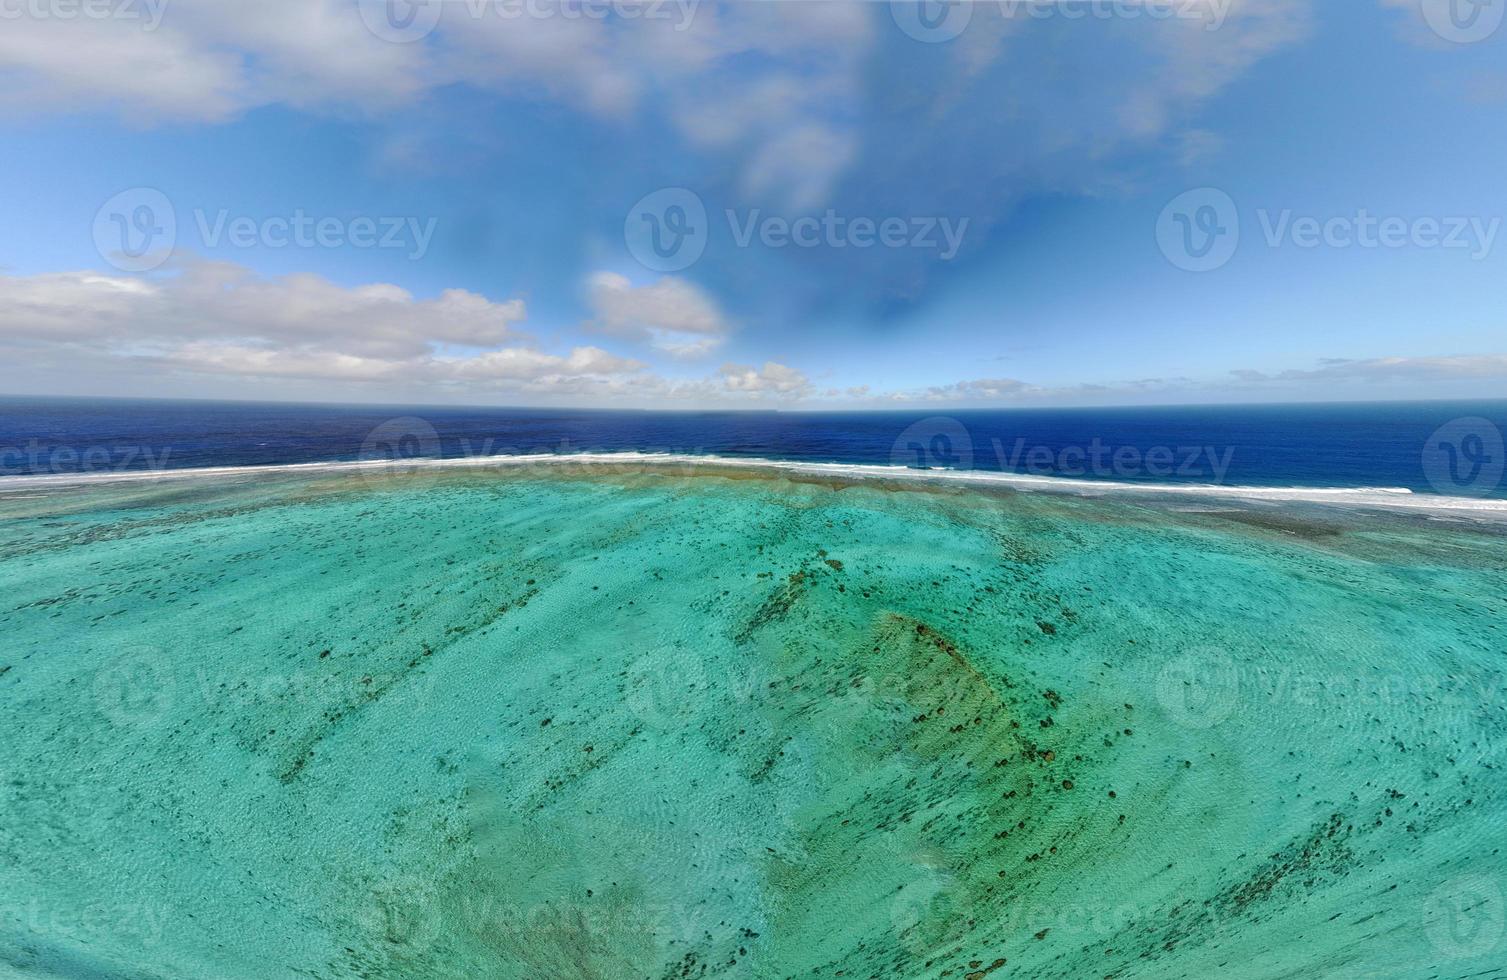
(1032, 168)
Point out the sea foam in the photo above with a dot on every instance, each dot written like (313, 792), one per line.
(1391, 498)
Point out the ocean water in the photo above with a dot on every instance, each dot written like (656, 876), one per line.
(1451, 448)
(622, 720)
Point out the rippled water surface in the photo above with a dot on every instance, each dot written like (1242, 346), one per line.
(612, 722)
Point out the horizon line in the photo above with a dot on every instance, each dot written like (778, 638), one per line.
(744, 410)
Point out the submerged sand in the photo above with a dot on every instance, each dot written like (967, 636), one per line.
(617, 721)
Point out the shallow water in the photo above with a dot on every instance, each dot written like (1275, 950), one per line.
(628, 723)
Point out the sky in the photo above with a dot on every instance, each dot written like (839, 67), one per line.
(798, 204)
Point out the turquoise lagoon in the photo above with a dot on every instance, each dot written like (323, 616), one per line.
(642, 722)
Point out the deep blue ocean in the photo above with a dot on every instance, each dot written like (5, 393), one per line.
(1430, 447)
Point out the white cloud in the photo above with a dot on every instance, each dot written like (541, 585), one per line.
(146, 75)
(671, 314)
(1198, 146)
(212, 60)
(981, 389)
(773, 378)
(222, 300)
(1469, 375)
(215, 329)
(218, 318)
(203, 60)
(523, 364)
(778, 90)
(1197, 62)
(265, 362)
(213, 324)
(1463, 367)
(799, 165)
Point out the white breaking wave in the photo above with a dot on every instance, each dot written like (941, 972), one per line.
(1391, 498)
